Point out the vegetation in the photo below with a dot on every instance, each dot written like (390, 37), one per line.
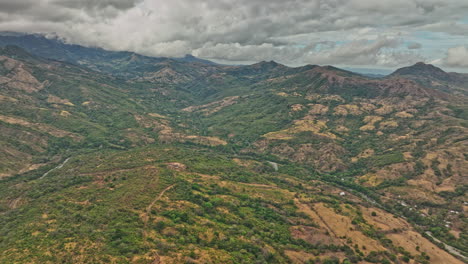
(215, 164)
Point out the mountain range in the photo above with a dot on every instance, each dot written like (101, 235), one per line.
(116, 157)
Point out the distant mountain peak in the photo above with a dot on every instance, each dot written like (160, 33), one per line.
(191, 58)
(420, 63)
(422, 69)
(272, 62)
(267, 64)
(427, 66)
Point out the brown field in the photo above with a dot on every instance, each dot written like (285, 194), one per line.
(338, 226)
(402, 234)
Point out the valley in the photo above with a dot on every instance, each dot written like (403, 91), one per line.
(114, 157)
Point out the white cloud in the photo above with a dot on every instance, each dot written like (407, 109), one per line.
(457, 57)
(379, 52)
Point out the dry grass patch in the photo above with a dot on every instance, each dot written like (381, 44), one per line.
(298, 257)
(347, 109)
(364, 154)
(338, 226)
(409, 240)
(210, 141)
(321, 98)
(414, 193)
(313, 235)
(213, 107)
(318, 109)
(297, 107)
(7, 98)
(383, 110)
(404, 114)
(370, 179)
(315, 126)
(40, 127)
(52, 99)
(383, 220)
(372, 119)
(388, 124)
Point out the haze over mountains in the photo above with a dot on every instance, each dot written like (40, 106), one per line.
(115, 157)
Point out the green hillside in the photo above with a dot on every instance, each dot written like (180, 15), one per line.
(184, 161)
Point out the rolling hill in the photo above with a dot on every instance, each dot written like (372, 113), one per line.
(114, 157)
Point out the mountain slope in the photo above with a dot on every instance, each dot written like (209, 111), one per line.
(434, 77)
(50, 107)
(54, 104)
(173, 205)
(200, 163)
(122, 63)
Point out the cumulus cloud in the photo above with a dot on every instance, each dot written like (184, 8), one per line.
(457, 57)
(300, 31)
(379, 52)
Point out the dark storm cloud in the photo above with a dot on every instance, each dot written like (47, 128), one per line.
(358, 32)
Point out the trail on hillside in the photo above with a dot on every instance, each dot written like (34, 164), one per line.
(56, 168)
(150, 206)
(273, 164)
(146, 217)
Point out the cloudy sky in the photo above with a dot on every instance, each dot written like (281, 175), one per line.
(346, 33)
